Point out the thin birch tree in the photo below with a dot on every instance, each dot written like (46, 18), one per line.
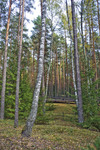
(27, 130)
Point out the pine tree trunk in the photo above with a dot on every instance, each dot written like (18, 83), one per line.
(27, 130)
(5, 66)
(78, 78)
(18, 70)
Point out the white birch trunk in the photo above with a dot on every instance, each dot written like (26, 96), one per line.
(27, 130)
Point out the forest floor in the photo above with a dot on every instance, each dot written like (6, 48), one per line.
(59, 132)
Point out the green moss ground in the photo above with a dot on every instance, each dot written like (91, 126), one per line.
(60, 132)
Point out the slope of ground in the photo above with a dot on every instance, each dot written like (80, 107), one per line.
(61, 132)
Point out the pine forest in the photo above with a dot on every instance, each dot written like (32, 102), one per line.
(50, 74)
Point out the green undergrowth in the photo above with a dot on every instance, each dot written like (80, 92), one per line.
(61, 132)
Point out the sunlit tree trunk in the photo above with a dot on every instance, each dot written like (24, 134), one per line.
(18, 70)
(78, 78)
(5, 66)
(27, 130)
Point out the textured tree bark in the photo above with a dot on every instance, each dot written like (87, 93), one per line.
(73, 70)
(27, 130)
(78, 78)
(5, 66)
(18, 70)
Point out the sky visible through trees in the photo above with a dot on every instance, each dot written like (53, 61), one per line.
(36, 12)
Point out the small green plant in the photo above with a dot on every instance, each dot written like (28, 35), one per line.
(96, 122)
(42, 119)
(92, 123)
(96, 145)
(50, 107)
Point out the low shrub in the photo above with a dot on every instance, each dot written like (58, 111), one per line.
(96, 145)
